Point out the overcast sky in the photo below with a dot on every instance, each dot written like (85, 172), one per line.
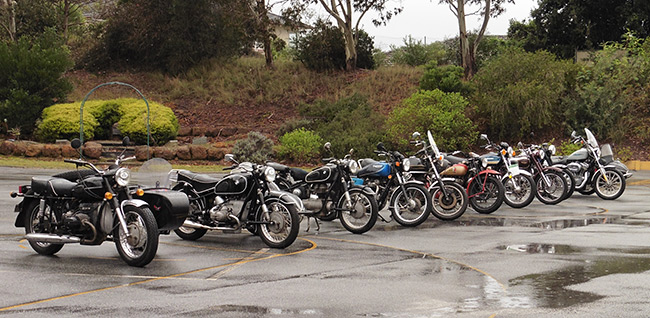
(426, 18)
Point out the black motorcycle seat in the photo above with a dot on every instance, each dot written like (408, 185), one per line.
(454, 160)
(366, 162)
(53, 186)
(298, 174)
(278, 166)
(199, 181)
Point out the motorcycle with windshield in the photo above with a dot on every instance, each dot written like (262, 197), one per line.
(408, 201)
(594, 168)
(246, 198)
(328, 192)
(90, 206)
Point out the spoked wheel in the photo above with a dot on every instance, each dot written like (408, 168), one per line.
(281, 225)
(360, 214)
(486, 194)
(570, 183)
(39, 222)
(554, 192)
(140, 246)
(412, 206)
(519, 191)
(453, 205)
(612, 188)
(188, 233)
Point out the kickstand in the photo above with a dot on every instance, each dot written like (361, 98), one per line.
(309, 217)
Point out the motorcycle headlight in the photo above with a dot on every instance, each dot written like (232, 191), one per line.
(122, 176)
(484, 162)
(406, 164)
(353, 166)
(269, 174)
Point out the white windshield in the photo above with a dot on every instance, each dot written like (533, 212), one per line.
(591, 140)
(432, 143)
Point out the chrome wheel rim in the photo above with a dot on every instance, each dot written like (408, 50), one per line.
(612, 187)
(278, 226)
(135, 244)
(357, 214)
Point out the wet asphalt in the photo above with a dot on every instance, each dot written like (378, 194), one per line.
(584, 257)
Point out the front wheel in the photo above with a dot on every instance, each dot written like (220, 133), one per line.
(554, 192)
(453, 205)
(519, 190)
(280, 225)
(412, 206)
(360, 214)
(612, 188)
(140, 246)
(485, 193)
(37, 221)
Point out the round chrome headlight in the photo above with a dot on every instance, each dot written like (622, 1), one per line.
(406, 164)
(269, 174)
(122, 176)
(353, 166)
(484, 162)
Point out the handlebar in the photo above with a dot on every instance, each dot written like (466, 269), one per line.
(75, 161)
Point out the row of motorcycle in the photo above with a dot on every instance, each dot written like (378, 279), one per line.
(91, 206)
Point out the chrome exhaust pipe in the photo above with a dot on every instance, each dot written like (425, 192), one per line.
(194, 225)
(52, 238)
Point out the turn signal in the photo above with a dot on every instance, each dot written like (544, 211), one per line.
(139, 192)
(440, 158)
(503, 152)
(514, 153)
(108, 196)
(390, 176)
(397, 163)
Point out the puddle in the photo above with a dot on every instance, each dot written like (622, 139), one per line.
(255, 311)
(542, 249)
(548, 225)
(549, 289)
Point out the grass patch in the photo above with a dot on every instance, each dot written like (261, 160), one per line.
(22, 162)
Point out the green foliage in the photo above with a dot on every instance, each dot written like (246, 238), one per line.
(348, 123)
(255, 148)
(415, 53)
(323, 48)
(61, 121)
(567, 147)
(488, 48)
(291, 125)
(300, 145)
(519, 92)
(445, 78)
(31, 78)
(34, 17)
(442, 113)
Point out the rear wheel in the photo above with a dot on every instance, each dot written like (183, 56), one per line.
(486, 193)
(552, 193)
(519, 191)
(570, 183)
(360, 214)
(281, 225)
(140, 246)
(39, 222)
(188, 233)
(453, 205)
(412, 206)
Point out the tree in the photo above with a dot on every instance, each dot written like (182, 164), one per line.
(343, 12)
(9, 8)
(487, 9)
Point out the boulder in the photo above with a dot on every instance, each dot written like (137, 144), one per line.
(164, 152)
(51, 151)
(183, 153)
(141, 153)
(216, 153)
(199, 152)
(20, 149)
(33, 150)
(92, 150)
(7, 147)
(68, 152)
(185, 131)
(228, 131)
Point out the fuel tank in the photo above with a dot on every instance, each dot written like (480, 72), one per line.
(375, 170)
(578, 155)
(323, 174)
(456, 170)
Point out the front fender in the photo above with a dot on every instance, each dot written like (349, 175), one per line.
(367, 190)
(486, 172)
(519, 172)
(170, 208)
(286, 198)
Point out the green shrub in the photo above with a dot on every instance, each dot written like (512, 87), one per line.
(445, 78)
(255, 148)
(348, 123)
(415, 53)
(442, 113)
(567, 147)
(31, 78)
(300, 145)
(293, 124)
(62, 121)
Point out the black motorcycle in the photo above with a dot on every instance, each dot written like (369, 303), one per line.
(410, 202)
(90, 206)
(328, 192)
(246, 198)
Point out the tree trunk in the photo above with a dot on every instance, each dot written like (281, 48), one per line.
(268, 53)
(66, 17)
(10, 27)
(263, 27)
(465, 50)
(350, 51)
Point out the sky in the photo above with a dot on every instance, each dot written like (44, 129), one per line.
(429, 21)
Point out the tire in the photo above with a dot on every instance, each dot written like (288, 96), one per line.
(570, 183)
(31, 222)
(362, 215)
(453, 206)
(609, 190)
(140, 249)
(284, 225)
(488, 201)
(588, 189)
(410, 212)
(524, 195)
(554, 193)
(188, 233)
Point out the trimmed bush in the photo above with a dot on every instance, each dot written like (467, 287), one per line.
(442, 113)
(255, 148)
(445, 78)
(61, 121)
(300, 145)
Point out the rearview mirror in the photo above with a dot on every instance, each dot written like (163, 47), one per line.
(573, 134)
(229, 157)
(328, 146)
(380, 146)
(126, 141)
(351, 151)
(75, 143)
(416, 135)
(484, 137)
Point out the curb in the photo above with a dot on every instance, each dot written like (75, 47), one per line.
(638, 165)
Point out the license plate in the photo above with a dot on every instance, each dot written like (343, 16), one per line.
(514, 168)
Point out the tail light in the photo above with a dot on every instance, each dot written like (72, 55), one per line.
(23, 189)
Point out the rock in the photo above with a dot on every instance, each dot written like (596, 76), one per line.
(213, 131)
(33, 150)
(164, 152)
(198, 131)
(141, 153)
(216, 153)
(20, 149)
(7, 147)
(199, 152)
(183, 153)
(185, 131)
(68, 152)
(52, 151)
(200, 140)
(92, 150)
(228, 131)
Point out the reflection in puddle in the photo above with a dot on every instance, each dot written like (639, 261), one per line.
(548, 225)
(242, 310)
(542, 249)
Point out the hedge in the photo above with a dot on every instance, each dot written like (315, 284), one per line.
(61, 121)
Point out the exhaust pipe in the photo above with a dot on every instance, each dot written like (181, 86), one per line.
(195, 225)
(52, 238)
